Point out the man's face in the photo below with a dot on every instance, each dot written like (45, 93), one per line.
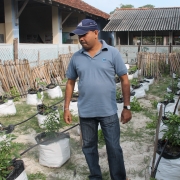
(89, 39)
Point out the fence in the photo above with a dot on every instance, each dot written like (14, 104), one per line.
(36, 52)
(153, 64)
(22, 76)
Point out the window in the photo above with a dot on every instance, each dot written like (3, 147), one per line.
(148, 38)
(176, 38)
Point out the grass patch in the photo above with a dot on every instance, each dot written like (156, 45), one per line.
(128, 133)
(36, 176)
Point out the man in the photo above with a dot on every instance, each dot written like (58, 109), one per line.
(96, 65)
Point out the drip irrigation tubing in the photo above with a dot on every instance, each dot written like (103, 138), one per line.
(11, 127)
(157, 163)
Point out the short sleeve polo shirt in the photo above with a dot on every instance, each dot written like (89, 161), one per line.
(97, 87)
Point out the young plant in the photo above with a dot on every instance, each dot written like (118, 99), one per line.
(15, 93)
(135, 105)
(8, 150)
(172, 133)
(52, 123)
(135, 82)
(132, 70)
(169, 97)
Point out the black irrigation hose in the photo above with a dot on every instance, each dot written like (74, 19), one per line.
(11, 127)
(157, 163)
(43, 142)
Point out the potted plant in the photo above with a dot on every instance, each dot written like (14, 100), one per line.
(54, 91)
(10, 169)
(54, 149)
(168, 104)
(132, 72)
(168, 167)
(43, 112)
(7, 106)
(35, 94)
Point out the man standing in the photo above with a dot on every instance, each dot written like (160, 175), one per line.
(96, 65)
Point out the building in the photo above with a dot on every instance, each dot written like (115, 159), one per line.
(46, 21)
(155, 30)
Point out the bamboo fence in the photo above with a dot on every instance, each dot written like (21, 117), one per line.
(154, 64)
(22, 76)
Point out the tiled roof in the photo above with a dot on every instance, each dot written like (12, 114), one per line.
(155, 19)
(81, 5)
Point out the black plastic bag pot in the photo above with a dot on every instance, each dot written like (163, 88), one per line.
(18, 166)
(51, 86)
(170, 152)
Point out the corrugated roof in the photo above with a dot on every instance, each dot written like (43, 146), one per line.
(81, 5)
(143, 19)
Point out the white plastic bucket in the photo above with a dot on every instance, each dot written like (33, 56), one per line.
(55, 92)
(8, 108)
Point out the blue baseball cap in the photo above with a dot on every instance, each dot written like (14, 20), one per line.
(84, 26)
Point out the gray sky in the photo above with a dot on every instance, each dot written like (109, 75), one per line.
(109, 5)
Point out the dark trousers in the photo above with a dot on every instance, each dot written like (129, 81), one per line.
(111, 130)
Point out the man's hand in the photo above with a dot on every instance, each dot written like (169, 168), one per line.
(125, 116)
(67, 116)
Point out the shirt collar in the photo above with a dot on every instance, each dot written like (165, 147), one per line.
(104, 46)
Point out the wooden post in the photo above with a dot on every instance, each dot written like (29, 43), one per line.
(15, 49)
(156, 142)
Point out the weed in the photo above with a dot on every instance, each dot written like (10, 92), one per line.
(36, 176)
(15, 93)
(101, 140)
(154, 103)
(135, 105)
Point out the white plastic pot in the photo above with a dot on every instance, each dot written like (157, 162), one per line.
(168, 169)
(8, 108)
(32, 99)
(55, 92)
(145, 86)
(139, 93)
(54, 153)
(130, 76)
(151, 81)
(135, 75)
(22, 176)
(76, 87)
(120, 108)
(168, 108)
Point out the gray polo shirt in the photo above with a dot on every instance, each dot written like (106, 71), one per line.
(97, 87)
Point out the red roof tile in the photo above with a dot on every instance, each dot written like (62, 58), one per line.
(81, 5)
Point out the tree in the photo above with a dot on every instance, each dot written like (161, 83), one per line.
(147, 6)
(126, 6)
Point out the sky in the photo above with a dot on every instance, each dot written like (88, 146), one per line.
(109, 5)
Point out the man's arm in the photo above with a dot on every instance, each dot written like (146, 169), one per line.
(126, 113)
(68, 94)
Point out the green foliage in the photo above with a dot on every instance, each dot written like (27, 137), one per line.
(118, 93)
(154, 117)
(52, 123)
(8, 150)
(14, 92)
(147, 6)
(169, 97)
(132, 70)
(101, 140)
(135, 105)
(40, 83)
(134, 82)
(37, 176)
(154, 103)
(126, 6)
(172, 133)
